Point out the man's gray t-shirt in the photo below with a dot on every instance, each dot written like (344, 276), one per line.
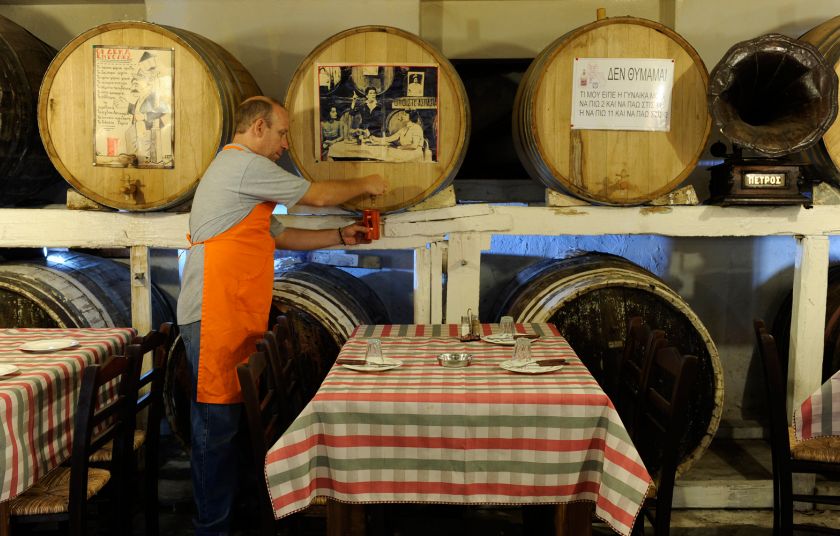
(232, 186)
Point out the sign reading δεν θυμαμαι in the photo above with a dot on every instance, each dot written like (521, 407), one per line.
(622, 94)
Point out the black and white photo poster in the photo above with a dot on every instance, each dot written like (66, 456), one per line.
(380, 113)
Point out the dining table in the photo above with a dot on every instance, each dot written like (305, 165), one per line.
(40, 377)
(480, 434)
(819, 414)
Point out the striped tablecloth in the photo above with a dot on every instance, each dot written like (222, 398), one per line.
(476, 435)
(37, 404)
(819, 414)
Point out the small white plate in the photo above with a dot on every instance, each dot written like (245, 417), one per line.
(6, 370)
(531, 368)
(48, 345)
(388, 364)
(498, 338)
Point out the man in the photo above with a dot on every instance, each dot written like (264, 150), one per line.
(371, 112)
(226, 286)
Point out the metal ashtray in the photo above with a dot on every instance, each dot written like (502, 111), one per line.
(454, 360)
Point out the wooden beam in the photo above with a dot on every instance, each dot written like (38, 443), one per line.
(422, 285)
(141, 290)
(810, 278)
(463, 269)
(437, 253)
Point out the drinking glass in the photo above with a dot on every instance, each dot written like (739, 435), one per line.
(507, 327)
(521, 351)
(373, 355)
(465, 329)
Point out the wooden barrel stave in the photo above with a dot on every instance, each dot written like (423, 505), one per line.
(590, 298)
(825, 156)
(324, 305)
(206, 91)
(411, 182)
(25, 169)
(76, 291)
(605, 166)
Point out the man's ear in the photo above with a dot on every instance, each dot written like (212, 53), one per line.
(258, 126)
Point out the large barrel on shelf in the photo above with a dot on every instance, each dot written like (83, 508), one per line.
(773, 94)
(831, 333)
(590, 297)
(324, 305)
(25, 169)
(132, 113)
(339, 133)
(611, 167)
(70, 290)
(825, 155)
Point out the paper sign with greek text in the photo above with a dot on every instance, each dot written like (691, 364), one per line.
(134, 120)
(622, 94)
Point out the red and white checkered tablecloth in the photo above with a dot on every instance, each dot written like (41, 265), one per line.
(37, 404)
(819, 414)
(422, 433)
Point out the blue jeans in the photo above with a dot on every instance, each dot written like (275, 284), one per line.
(213, 460)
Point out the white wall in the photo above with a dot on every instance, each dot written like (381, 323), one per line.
(727, 282)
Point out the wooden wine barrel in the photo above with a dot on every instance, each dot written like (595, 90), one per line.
(324, 305)
(831, 333)
(611, 167)
(773, 94)
(387, 60)
(825, 156)
(590, 298)
(25, 168)
(186, 89)
(70, 290)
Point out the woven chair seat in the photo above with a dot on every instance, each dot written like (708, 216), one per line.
(51, 494)
(104, 454)
(818, 449)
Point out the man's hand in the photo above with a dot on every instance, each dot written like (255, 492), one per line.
(354, 234)
(376, 184)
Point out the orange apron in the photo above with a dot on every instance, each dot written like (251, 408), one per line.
(238, 277)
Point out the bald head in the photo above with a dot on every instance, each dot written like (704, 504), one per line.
(262, 125)
(253, 108)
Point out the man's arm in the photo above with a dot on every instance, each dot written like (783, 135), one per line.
(306, 239)
(335, 192)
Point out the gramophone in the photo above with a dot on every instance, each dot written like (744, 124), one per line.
(771, 97)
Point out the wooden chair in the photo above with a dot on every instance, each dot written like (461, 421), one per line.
(284, 377)
(265, 424)
(789, 456)
(640, 345)
(661, 425)
(149, 395)
(62, 495)
(311, 369)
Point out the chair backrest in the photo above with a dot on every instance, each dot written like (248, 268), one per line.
(775, 386)
(640, 345)
(311, 369)
(663, 421)
(265, 423)
(104, 412)
(283, 377)
(157, 343)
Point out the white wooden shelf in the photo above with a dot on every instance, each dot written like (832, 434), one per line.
(465, 230)
(457, 235)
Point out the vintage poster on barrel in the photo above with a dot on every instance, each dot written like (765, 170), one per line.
(377, 113)
(133, 107)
